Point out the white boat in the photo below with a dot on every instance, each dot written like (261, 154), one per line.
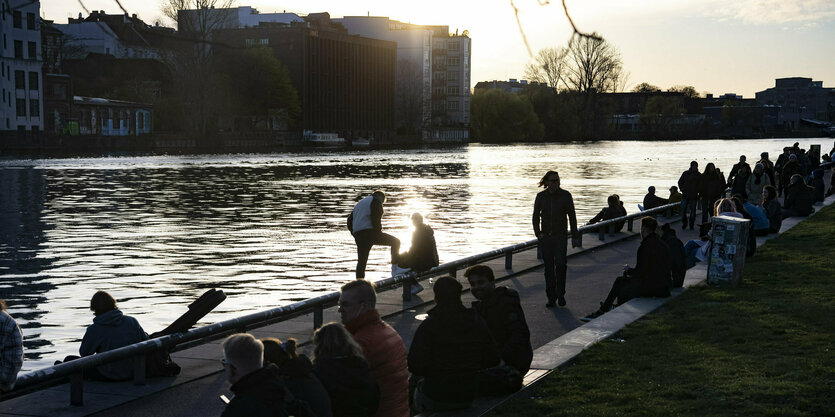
(360, 143)
(322, 140)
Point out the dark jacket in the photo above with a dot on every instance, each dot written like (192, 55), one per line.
(775, 215)
(676, 250)
(799, 199)
(261, 393)
(448, 350)
(549, 213)
(654, 267)
(768, 168)
(423, 254)
(688, 184)
(112, 330)
(350, 385)
(611, 213)
(302, 383)
(712, 186)
(736, 170)
(818, 185)
(505, 318)
(790, 168)
(653, 201)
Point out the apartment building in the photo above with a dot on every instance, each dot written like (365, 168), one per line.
(21, 81)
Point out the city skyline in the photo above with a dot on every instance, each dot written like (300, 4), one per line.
(714, 46)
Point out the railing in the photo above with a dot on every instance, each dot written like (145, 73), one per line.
(178, 341)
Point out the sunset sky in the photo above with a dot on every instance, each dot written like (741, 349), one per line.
(718, 46)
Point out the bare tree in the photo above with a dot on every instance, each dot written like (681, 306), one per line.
(549, 67)
(594, 65)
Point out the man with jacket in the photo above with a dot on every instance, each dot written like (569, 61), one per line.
(652, 201)
(382, 346)
(365, 224)
(259, 391)
(550, 210)
(501, 310)
(799, 198)
(688, 183)
(677, 256)
(651, 276)
(448, 351)
(738, 169)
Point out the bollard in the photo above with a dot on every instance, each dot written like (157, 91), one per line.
(139, 369)
(601, 231)
(77, 389)
(508, 261)
(612, 229)
(318, 317)
(629, 225)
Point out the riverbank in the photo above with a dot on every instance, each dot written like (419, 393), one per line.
(763, 348)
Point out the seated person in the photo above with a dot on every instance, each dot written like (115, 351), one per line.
(772, 209)
(339, 364)
(818, 185)
(613, 210)
(698, 249)
(259, 390)
(11, 349)
(675, 197)
(758, 218)
(110, 330)
(423, 254)
(297, 372)
(651, 276)
(501, 310)
(676, 247)
(651, 200)
(799, 198)
(448, 351)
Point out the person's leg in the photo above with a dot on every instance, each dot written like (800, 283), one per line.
(363, 249)
(706, 203)
(548, 250)
(692, 209)
(560, 266)
(683, 212)
(690, 250)
(386, 239)
(613, 294)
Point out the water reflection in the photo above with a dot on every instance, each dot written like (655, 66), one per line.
(270, 229)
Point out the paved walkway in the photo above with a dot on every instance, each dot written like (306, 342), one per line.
(556, 334)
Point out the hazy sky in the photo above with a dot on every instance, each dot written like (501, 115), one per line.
(718, 46)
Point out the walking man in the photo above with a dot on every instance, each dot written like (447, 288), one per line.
(549, 225)
(365, 224)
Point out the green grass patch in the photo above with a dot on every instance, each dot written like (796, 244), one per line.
(764, 348)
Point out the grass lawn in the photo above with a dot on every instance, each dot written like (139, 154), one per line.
(764, 348)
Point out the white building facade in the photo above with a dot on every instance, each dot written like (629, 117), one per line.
(21, 85)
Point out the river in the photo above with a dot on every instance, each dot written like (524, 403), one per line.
(269, 229)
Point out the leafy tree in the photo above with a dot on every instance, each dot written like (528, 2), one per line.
(499, 116)
(688, 90)
(646, 88)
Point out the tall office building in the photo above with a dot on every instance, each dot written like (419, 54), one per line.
(21, 107)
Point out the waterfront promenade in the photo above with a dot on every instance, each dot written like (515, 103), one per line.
(195, 392)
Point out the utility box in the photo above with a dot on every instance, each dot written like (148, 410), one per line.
(726, 259)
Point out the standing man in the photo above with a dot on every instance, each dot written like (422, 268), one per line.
(365, 224)
(382, 346)
(688, 183)
(549, 225)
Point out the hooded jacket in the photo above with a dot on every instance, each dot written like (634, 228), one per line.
(423, 254)
(300, 381)
(799, 199)
(386, 355)
(654, 268)
(260, 393)
(112, 330)
(502, 311)
(676, 249)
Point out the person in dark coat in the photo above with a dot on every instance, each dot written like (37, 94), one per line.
(502, 311)
(613, 210)
(259, 391)
(773, 210)
(341, 367)
(688, 183)
(676, 248)
(818, 185)
(740, 182)
(448, 351)
(799, 198)
(651, 276)
(740, 167)
(791, 168)
(297, 372)
(110, 330)
(675, 197)
(651, 200)
(365, 224)
(423, 254)
(768, 167)
(711, 186)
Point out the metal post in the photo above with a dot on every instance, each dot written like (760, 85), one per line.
(318, 317)
(77, 389)
(139, 369)
(508, 261)
(629, 224)
(601, 231)
(612, 229)
(407, 291)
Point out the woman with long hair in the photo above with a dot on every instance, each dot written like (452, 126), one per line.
(339, 364)
(297, 372)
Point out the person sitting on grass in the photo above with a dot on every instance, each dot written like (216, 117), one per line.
(651, 277)
(799, 198)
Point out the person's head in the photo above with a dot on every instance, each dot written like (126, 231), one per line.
(710, 169)
(651, 190)
(797, 178)
(673, 189)
(738, 204)
(694, 166)
(447, 291)
(380, 196)
(481, 279)
(332, 341)
(613, 200)
(758, 169)
(278, 352)
(725, 205)
(793, 157)
(551, 179)
(356, 298)
(417, 219)
(102, 302)
(242, 354)
(787, 149)
(742, 158)
(764, 156)
(648, 226)
(769, 193)
(666, 228)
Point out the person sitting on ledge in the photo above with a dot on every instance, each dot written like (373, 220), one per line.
(675, 197)
(259, 391)
(423, 254)
(651, 200)
(297, 372)
(613, 210)
(651, 276)
(799, 198)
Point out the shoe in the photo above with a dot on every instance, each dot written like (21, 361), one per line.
(416, 288)
(561, 301)
(593, 316)
(550, 304)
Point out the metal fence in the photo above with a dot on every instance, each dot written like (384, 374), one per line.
(34, 380)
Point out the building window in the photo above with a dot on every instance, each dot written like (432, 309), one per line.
(21, 107)
(263, 41)
(33, 81)
(18, 49)
(33, 50)
(452, 90)
(249, 43)
(30, 21)
(452, 61)
(20, 80)
(17, 19)
(452, 105)
(34, 107)
(452, 46)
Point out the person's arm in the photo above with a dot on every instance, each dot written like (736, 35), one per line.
(537, 212)
(788, 202)
(351, 222)
(572, 221)
(519, 336)
(419, 357)
(11, 346)
(376, 215)
(598, 217)
(89, 344)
